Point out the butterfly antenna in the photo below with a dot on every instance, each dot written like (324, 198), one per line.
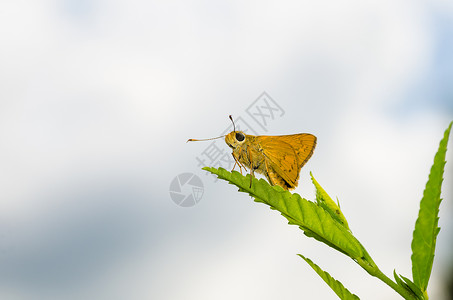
(198, 140)
(234, 127)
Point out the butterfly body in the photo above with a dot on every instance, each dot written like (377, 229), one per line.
(279, 158)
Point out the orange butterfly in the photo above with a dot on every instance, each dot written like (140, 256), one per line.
(278, 157)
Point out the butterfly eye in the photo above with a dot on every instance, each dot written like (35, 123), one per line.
(240, 136)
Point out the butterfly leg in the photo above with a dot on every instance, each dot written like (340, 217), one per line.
(271, 181)
(234, 166)
(252, 170)
(237, 162)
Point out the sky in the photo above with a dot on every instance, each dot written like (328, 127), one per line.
(98, 99)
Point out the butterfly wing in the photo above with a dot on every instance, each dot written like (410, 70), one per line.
(303, 144)
(280, 161)
(285, 155)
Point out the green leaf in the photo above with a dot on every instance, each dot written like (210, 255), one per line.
(328, 204)
(426, 227)
(311, 218)
(335, 285)
(409, 286)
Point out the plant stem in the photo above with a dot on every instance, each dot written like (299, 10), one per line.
(368, 264)
(399, 289)
(373, 270)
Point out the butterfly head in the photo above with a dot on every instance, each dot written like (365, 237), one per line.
(235, 139)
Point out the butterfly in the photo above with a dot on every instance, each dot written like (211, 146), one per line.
(278, 157)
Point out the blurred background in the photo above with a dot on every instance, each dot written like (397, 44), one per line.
(99, 97)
